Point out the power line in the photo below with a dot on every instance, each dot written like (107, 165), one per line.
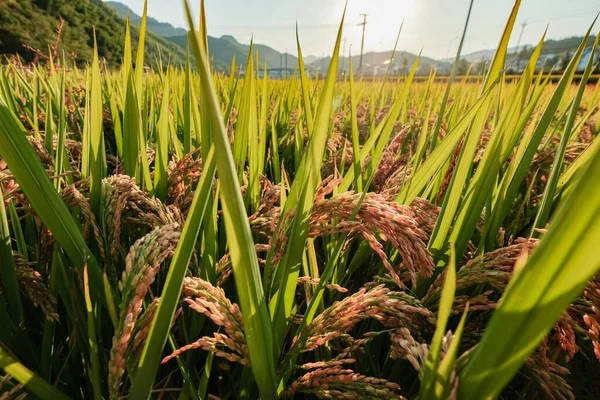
(569, 14)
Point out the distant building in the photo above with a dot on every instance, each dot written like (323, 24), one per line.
(275, 73)
(585, 59)
(557, 61)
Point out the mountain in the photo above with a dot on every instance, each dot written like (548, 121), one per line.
(310, 59)
(34, 23)
(550, 47)
(163, 29)
(477, 56)
(221, 50)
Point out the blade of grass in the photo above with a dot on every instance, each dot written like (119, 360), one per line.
(428, 383)
(139, 58)
(300, 199)
(549, 191)
(131, 126)
(10, 282)
(355, 138)
(161, 162)
(15, 223)
(432, 165)
(49, 326)
(61, 137)
(85, 134)
(49, 126)
(161, 324)
(453, 72)
(31, 176)
(32, 382)
(97, 151)
(92, 341)
(513, 120)
(127, 60)
(498, 63)
(241, 247)
(569, 176)
(305, 91)
(556, 272)
(448, 363)
(246, 271)
(187, 106)
(462, 171)
(262, 123)
(519, 166)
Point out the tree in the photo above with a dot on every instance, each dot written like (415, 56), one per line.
(463, 67)
(481, 66)
(566, 58)
(523, 55)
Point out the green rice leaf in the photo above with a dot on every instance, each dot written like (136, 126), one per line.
(32, 382)
(428, 383)
(10, 283)
(355, 138)
(497, 64)
(17, 230)
(94, 365)
(448, 363)
(97, 151)
(162, 145)
(31, 176)
(417, 182)
(243, 255)
(549, 191)
(557, 270)
(161, 324)
(282, 283)
(520, 164)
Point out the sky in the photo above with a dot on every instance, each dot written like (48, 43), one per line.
(431, 25)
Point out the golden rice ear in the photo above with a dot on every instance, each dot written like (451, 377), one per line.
(204, 298)
(142, 265)
(336, 379)
(36, 287)
(392, 309)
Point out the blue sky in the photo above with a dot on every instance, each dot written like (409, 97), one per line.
(429, 24)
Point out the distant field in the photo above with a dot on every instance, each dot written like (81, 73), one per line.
(554, 78)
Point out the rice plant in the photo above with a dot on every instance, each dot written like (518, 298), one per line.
(187, 234)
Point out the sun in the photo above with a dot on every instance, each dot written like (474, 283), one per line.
(384, 18)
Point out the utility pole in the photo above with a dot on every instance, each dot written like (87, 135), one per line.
(523, 25)
(362, 43)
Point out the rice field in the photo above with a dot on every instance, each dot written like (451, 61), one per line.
(184, 234)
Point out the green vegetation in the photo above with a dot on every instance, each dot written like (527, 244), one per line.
(35, 22)
(187, 234)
